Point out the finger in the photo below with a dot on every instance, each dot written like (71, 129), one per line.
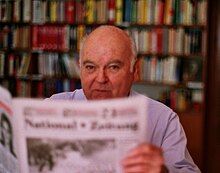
(142, 168)
(143, 159)
(145, 149)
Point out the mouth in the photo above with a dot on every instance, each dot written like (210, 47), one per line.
(101, 90)
(101, 94)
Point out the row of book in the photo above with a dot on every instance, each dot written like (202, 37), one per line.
(43, 37)
(168, 12)
(15, 37)
(14, 64)
(39, 88)
(182, 41)
(54, 64)
(15, 10)
(170, 70)
(39, 64)
(165, 40)
(71, 11)
(182, 99)
(50, 37)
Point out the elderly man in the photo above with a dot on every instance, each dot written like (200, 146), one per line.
(107, 67)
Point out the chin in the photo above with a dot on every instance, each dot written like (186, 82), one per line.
(97, 95)
(100, 96)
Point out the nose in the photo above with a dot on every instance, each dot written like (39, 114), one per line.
(102, 76)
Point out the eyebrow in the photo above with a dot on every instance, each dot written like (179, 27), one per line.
(116, 62)
(111, 62)
(88, 61)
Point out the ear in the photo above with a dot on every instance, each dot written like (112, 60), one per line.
(136, 71)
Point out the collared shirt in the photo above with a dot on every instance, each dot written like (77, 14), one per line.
(164, 130)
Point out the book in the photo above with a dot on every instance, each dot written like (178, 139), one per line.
(111, 11)
(26, 10)
(69, 11)
(2, 64)
(118, 12)
(64, 136)
(50, 37)
(36, 12)
(155, 69)
(17, 11)
(127, 11)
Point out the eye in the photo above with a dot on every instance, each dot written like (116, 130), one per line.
(90, 68)
(114, 67)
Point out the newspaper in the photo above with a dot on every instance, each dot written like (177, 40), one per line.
(77, 136)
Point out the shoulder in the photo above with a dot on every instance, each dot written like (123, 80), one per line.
(161, 120)
(156, 109)
(77, 94)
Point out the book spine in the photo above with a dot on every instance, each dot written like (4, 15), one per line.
(119, 12)
(160, 12)
(80, 34)
(98, 11)
(53, 11)
(134, 12)
(36, 13)
(111, 11)
(127, 11)
(26, 10)
(69, 11)
(11, 62)
(9, 11)
(90, 11)
(17, 11)
(104, 12)
(40, 89)
(159, 40)
(2, 64)
(35, 37)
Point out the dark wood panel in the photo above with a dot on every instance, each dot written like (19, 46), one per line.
(212, 115)
(193, 125)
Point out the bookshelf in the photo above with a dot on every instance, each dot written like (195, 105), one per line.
(39, 44)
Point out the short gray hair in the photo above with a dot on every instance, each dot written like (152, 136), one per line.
(132, 44)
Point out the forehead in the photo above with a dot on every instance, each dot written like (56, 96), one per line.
(103, 62)
(105, 51)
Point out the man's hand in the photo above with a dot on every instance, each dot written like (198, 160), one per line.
(145, 158)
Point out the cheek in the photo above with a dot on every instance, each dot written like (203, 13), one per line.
(87, 80)
(121, 80)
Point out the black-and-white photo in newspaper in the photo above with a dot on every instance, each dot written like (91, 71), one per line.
(8, 159)
(57, 156)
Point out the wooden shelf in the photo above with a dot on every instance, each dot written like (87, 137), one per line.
(174, 85)
(37, 77)
(123, 24)
(201, 56)
(193, 26)
(14, 23)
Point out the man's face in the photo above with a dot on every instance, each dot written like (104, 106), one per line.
(105, 69)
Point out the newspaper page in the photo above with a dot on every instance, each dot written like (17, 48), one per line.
(78, 136)
(8, 160)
